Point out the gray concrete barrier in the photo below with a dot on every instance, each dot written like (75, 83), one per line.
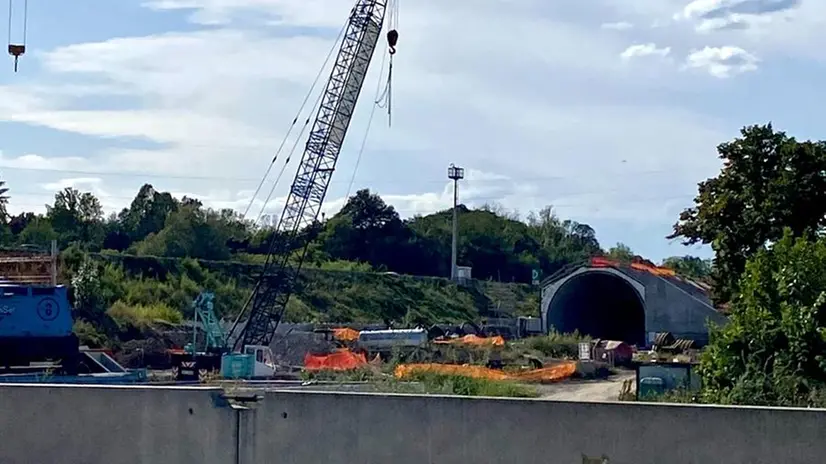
(159, 425)
(114, 425)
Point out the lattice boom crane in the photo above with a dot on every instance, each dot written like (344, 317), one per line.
(306, 195)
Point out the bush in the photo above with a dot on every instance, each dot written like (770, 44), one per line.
(142, 317)
(556, 345)
(771, 350)
(89, 335)
(446, 384)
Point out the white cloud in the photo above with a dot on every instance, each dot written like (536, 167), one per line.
(647, 49)
(711, 15)
(545, 125)
(722, 62)
(617, 26)
(75, 182)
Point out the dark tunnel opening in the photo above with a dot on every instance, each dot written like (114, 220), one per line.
(601, 305)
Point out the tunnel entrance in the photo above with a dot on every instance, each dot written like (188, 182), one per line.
(599, 304)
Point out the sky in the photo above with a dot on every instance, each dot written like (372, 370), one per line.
(607, 110)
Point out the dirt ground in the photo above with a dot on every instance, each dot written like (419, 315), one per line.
(586, 390)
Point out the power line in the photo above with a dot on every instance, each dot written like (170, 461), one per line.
(480, 201)
(564, 193)
(257, 179)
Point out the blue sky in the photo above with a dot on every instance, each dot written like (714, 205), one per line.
(610, 110)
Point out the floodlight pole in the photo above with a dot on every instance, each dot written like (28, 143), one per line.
(455, 174)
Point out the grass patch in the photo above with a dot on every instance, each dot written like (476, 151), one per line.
(364, 374)
(428, 383)
(555, 345)
(143, 316)
(445, 384)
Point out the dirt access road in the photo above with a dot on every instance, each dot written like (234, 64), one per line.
(586, 390)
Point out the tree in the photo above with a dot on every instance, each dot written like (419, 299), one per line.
(77, 217)
(689, 266)
(87, 292)
(771, 351)
(4, 201)
(561, 242)
(38, 232)
(189, 232)
(769, 181)
(366, 230)
(621, 253)
(146, 214)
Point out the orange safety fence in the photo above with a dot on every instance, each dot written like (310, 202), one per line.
(599, 261)
(555, 373)
(473, 340)
(341, 360)
(346, 334)
(658, 271)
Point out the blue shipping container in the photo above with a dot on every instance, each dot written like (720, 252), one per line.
(30, 311)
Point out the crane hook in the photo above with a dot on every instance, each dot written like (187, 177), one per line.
(16, 51)
(392, 40)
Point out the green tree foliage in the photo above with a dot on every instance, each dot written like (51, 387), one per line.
(621, 253)
(77, 218)
(769, 181)
(367, 230)
(689, 266)
(365, 263)
(4, 201)
(146, 215)
(38, 231)
(6, 236)
(191, 231)
(497, 245)
(773, 350)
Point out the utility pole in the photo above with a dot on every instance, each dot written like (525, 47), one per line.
(455, 174)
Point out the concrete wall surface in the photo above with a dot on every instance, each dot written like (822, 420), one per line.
(114, 425)
(302, 428)
(158, 425)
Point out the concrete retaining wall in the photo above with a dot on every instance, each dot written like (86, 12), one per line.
(113, 425)
(93, 425)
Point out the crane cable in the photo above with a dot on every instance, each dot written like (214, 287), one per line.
(18, 49)
(382, 99)
(392, 40)
(292, 125)
(369, 124)
(386, 98)
(289, 156)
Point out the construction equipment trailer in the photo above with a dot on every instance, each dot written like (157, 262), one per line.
(250, 355)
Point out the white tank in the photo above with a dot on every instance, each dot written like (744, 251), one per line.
(387, 339)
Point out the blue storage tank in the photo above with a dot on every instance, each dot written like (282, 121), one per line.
(36, 325)
(29, 311)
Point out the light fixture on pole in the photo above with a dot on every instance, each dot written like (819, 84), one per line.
(455, 174)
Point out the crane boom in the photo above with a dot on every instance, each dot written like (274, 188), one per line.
(285, 255)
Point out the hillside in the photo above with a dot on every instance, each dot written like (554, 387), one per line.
(143, 266)
(136, 291)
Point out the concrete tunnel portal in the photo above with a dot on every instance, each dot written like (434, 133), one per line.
(600, 304)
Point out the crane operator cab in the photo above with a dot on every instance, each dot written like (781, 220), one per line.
(254, 362)
(264, 366)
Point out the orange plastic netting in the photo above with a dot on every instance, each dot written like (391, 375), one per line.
(658, 271)
(346, 334)
(474, 340)
(340, 360)
(555, 373)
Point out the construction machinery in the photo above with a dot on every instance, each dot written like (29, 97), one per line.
(203, 357)
(37, 343)
(36, 326)
(249, 341)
